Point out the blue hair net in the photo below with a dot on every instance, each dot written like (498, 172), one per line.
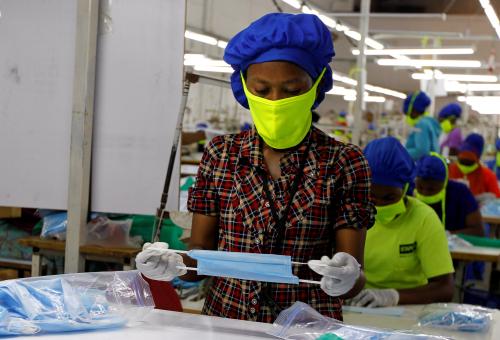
(431, 167)
(497, 144)
(473, 143)
(389, 162)
(452, 109)
(419, 101)
(301, 39)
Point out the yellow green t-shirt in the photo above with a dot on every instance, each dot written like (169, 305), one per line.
(408, 251)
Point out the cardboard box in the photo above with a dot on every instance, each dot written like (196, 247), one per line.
(6, 212)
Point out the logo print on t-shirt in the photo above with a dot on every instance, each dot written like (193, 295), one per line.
(407, 248)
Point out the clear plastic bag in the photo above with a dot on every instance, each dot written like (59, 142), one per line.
(103, 231)
(302, 322)
(54, 226)
(73, 302)
(455, 317)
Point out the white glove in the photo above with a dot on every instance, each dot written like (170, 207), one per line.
(157, 262)
(376, 298)
(339, 273)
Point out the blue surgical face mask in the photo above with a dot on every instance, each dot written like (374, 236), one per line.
(245, 266)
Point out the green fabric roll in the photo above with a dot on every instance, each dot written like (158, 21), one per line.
(481, 241)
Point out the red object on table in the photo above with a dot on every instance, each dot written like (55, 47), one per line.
(164, 295)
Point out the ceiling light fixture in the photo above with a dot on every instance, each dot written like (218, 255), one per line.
(418, 51)
(458, 77)
(430, 63)
(491, 15)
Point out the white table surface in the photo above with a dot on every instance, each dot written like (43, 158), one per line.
(166, 325)
(477, 250)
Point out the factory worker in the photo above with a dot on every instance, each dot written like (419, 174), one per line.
(494, 164)
(425, 130)
(284, 187)
(481, 180)
(406, 251)
(448, 117)
(452, 201)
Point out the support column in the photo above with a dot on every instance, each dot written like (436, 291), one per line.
(360, 105)
(81, 131)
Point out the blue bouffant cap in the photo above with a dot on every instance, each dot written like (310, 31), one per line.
(474, 143)
(389, 162)
(419, 101)
(431, 167)
(452, 109)
(302, 39)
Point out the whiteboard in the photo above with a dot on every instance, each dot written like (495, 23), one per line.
(37, 55)
(138, 93)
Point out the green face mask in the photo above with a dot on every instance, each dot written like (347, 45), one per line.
(412, 121)
(431, 199)
(467, 169)
(446, 126)
(387, 213)
(498, 159)
(285, 122)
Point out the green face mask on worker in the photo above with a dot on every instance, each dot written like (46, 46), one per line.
(387, 213)
(282, 123)
(467, 169)
(446, 126)
(432, 199)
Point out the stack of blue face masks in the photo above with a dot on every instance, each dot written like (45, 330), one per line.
(455, 317)
(245, 266)
(58, 304)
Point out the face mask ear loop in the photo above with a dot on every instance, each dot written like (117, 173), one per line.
(412, 101)
(443, 202)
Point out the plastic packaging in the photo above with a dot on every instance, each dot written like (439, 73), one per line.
(455, 241)
(73, 302)
(103, 231)
(302, 322)
(455, 317)
(54, 226)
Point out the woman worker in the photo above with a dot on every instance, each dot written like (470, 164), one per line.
(482, 181)
(424, 136)
(406, 252)
(448, 119)
(452, 201)
(284, 187)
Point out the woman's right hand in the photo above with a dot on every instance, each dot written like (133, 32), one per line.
(157, 262)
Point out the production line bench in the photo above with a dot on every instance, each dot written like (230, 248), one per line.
(41, 247)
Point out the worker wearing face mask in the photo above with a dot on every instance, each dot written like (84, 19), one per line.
(481, 180)
(425, 130)
(406, 251)
(448, 117)
(452, 201)
(494, 164)
(283, 187)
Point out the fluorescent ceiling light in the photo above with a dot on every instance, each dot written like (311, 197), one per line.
(307, 10)
(202, 60)
(221, 43)
(370, 42)
(388, 92)
(417, 51)
(460, 87)
(294, 3)
(200, 37)
(457, 77)
(341, 91)
(491, 15)
(328, 21)
(353, 34)
(372, 88)
(218, 69)
(368, 99)
(429, 63)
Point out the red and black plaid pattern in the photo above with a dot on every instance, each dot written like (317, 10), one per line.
(333, 193)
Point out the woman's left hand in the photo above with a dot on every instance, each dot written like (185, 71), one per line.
(376, 298)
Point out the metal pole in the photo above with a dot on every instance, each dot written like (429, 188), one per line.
(81, 131)
(360, 102)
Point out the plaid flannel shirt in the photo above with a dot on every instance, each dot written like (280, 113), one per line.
(333, 193)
